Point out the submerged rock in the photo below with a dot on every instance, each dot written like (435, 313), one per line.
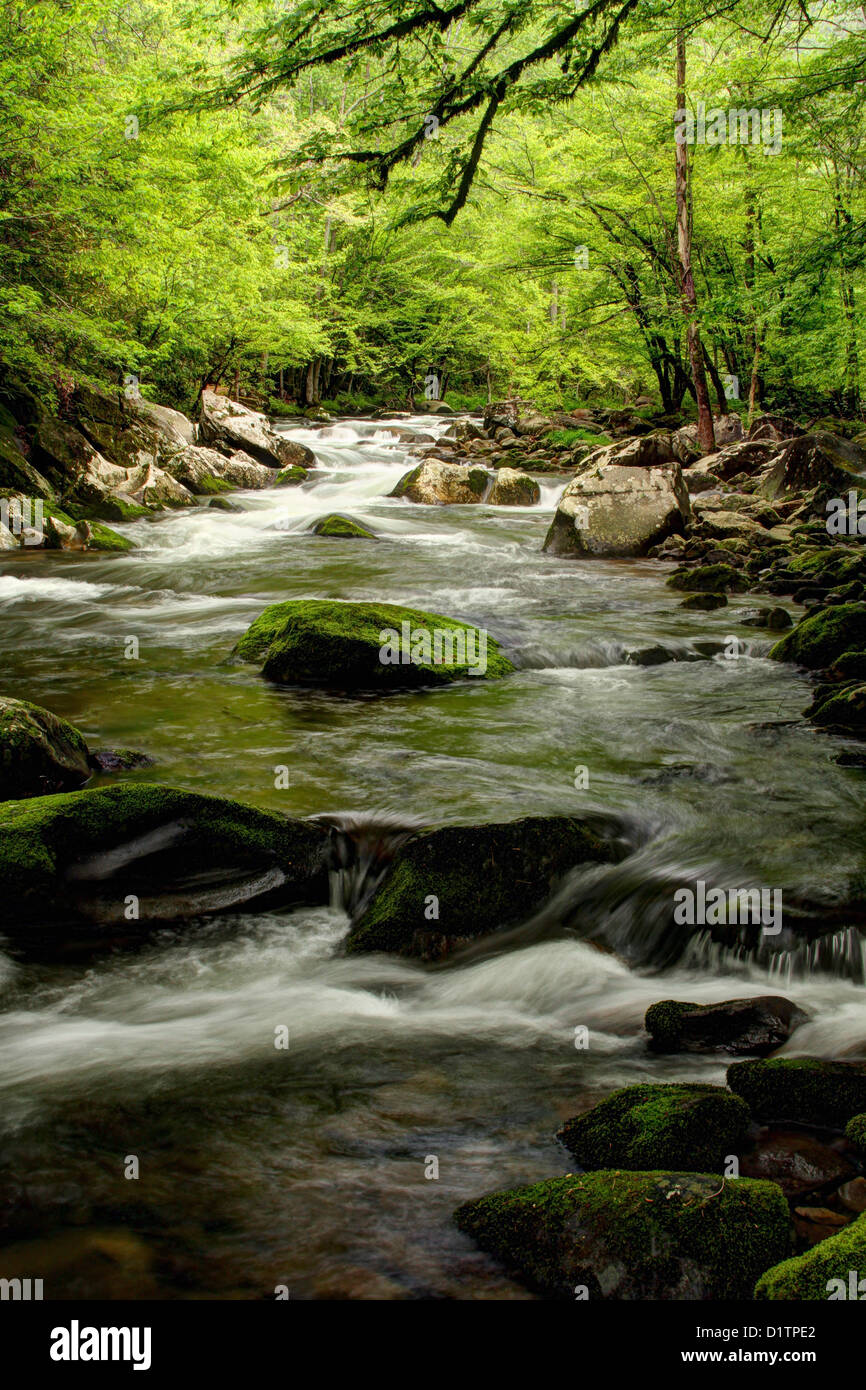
(628, 1236)
(120, 857)
(341, 527)
(451, 885)
(659, 1126)
(619, 511)
(799, 1162)
(806, 1089)
(366, 646)
(704, 602)
(833, 1270)
(735, 1025)
(39, 752)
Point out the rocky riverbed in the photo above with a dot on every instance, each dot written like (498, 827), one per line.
(335, 946)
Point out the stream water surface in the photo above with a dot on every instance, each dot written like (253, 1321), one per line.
(308, 1167)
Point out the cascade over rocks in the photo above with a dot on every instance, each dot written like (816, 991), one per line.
(448, 886)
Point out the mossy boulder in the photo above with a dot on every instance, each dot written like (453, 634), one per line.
(841, 711)
(341, 528)
(709, 579)
(39, 752)
(734, 1025)
(806, 1089)
(81, 857)
(647, 1126)
(629, 1235)
(451, 885)
(819, 639)
(704, 602)
(366, 646)
(823, 1273)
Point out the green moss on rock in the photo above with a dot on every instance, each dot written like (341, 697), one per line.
(819, 639)
(103, 538)
(659, 1126)
(79, 855)
(806, 1089)
(823, 1273)
(106, 509)
(342, 528)
(406, 482)
(39, 752)
(629, 1235)
(841, 711)
(291, 476)
(704, 602)
(709, 579)
(324, 643)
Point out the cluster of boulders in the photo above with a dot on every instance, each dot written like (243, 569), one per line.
(692, 1191)
(123, 458)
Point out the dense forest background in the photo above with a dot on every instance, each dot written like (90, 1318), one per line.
(328, 205)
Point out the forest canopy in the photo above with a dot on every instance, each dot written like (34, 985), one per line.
(311, 203)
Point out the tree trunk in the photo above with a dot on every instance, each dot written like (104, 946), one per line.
(688, 296)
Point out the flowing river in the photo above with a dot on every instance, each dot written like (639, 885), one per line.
(310, 1167)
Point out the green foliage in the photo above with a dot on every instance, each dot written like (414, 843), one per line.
(298, 239)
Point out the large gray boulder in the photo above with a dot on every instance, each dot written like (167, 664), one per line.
(205, 471)
(819, 460)
(619, 511)
(175, 431)
(230, 426)
(436, 483)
